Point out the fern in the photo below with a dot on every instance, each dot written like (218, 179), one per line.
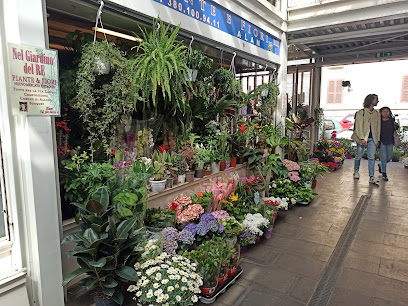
(160, 66)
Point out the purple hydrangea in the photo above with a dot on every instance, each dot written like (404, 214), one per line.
(169, 240)
(202, 228)
(221, 229)
(192, 228)
(208, 218)
(186, 237)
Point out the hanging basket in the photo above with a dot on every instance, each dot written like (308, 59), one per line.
(191, 75)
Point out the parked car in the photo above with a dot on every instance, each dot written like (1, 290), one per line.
(331, 125)
(347, 121)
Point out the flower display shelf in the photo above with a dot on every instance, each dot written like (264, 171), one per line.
(209, 299)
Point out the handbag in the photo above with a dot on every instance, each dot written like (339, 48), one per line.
(397, 139)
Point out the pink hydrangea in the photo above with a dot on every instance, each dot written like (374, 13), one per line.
(291, 165)
(220, 214)
(293, 176)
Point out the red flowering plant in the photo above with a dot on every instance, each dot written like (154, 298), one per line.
(62, 133)
(188, 152)
(271, 209)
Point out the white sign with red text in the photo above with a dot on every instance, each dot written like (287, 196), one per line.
(34, 80)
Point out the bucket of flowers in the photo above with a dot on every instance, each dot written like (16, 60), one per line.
(271, 213)
(245, 239)
(167, 280)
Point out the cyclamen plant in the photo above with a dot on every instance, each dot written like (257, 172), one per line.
(167, 280)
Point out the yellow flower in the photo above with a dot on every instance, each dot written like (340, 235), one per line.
(234, 197)
(231, 204)
(243, 204)
(332, 149)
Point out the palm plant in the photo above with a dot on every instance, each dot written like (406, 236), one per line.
(160, 65)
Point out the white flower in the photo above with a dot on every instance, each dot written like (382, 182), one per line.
(178, 298)
(274, 185)
(184, 279)
(149, 294)
(293, 201)
(159, 299)
(166, 296)
(139, 273)
(139, 293)
(194, 298)
(158, 292)
(156, 285)
(170, 288)
(184, 288)
(165, 281)
(132, 288)
(177, 286)
(137, 265)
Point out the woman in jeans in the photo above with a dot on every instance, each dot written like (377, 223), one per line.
(367, 129)
(388, 126)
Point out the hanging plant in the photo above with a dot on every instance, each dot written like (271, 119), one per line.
(159, 67)
(226, 82)
(196, 60)
(318, 116)
(102, 99)
(266, 95)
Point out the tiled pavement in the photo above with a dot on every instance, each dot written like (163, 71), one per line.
(286, 269)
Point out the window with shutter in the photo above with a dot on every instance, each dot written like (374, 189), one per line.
(334, 92)
(404, 90)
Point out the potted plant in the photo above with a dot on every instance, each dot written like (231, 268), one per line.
(208, 259)
(163, 72)
(188, 154)
(202, 157)
(180, 164)
(104, 249)
(319, 170)
(197, 62)
(307, 173)
(305, 195)
(160, 218)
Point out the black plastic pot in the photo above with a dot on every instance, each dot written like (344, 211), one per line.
(217, 77)
(199, 173)
(240, 160)
(249, 110)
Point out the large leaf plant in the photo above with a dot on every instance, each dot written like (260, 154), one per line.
(104, 247)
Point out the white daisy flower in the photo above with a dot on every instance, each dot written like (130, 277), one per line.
(156, 285)
(165, 281)
(166, 296)
(143, 278)
(178, 298)
(139, 293)
(184, 288)
(170, 289)
(194, 298)
(138, 273)
(149, 294)
(132, 288)
(184, 279)
(137, 265)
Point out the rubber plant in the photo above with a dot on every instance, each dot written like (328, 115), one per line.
(102, 99)
(159, 67)
(104, 248)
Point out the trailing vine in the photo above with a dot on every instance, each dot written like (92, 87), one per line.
(318, 116)
(266, 94)
(102, 99)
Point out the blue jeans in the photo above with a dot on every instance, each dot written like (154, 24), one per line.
(370, 154)
(386, 151)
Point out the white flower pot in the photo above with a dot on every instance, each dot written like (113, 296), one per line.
(308, 184)
(181, 179)
(215, 167)
(191, 75)
(158, 186)
(264, 92)
(101, 66)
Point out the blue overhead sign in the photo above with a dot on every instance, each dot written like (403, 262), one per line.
(220, 18)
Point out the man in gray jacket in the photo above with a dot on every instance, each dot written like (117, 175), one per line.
(367, 129)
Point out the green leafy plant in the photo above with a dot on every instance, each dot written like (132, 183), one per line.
(226, 82)
(202, 157)
(104, 247)
(180, 164)
(198, 61)
(160, 218)
(266, 95)
(102, 99)
(160, 65)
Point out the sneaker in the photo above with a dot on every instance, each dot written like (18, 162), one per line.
(356, 175)
(379, 168)
(384, 177)
(374, 180)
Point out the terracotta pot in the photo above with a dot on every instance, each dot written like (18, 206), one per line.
(222, 165)
(233, 162)
(240, 160)
(207, 172)
(190, 176)
(314, 184)
(199, 173)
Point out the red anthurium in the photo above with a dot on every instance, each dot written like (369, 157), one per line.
(242, 128)
(162, 148)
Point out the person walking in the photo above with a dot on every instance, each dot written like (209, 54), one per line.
(367, 128)
(388, 126)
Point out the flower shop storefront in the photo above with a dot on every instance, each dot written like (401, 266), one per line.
(141, 145)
